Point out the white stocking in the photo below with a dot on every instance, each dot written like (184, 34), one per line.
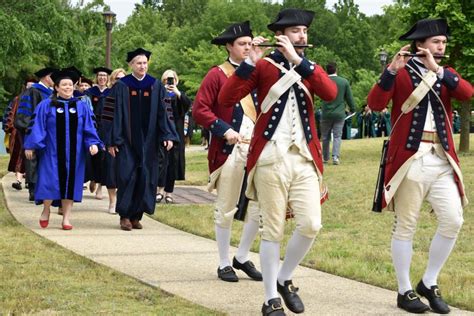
(248, 236)
(270, 261)
(402, 251)
(223, 245)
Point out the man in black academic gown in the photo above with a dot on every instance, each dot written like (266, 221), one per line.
(140, 126)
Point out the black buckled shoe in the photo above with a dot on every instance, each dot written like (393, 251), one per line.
(291, 297)
(249, 268)
(437, 304)
(411, 303)
(17, 185)
(227, 274)
(273, 308)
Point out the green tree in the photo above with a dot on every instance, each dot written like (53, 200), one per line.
(45, 33)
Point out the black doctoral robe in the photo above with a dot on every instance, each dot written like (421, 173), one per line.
(102, 166)
(140, 125)
(174, 161)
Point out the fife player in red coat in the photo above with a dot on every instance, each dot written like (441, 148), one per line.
(285, 161)
(421, 162)
(231, 129)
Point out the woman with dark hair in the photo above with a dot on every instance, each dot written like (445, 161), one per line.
(61, 127)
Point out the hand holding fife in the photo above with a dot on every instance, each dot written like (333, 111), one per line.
(232, 137)
(29, 153)
(428, 60)
(400, 59)
(113, 150)
(93, 149)
(256, 52)
(288, 49)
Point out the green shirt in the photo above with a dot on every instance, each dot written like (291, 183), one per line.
(336, 110)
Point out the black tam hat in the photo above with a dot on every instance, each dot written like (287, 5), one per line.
(137, 52)
(43, 72)
(233, 32)
(291, 17)
(87, 80)
(426, 28)
(102, 69)
(66, 73)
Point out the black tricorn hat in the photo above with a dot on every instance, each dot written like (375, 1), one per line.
(233, 32)
(291, 17)
(43, 72)
(137, 52)
(66, 73)
(426, 28)
(102, 69)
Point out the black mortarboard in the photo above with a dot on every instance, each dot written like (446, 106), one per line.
(233, 32)
(70, 73)
(426, 28)
(84, 79)
(102, 69)
(136, 52)
(291, 17)
(43, 72)
(74, 69)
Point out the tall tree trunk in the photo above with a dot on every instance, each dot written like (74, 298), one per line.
(465, 114)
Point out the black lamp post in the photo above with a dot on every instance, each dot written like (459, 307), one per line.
(383, 58)
(109, 23)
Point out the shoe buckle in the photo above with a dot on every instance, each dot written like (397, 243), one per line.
(227, 269)
(276, 307)
(292, 288)
(412, 296)
(436, 292)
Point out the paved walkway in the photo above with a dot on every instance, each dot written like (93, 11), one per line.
(185, 265)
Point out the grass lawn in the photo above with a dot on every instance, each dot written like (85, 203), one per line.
(354, 242)
(39, 277)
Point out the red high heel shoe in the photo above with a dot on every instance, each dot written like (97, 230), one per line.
(44, 222)
(67, 227)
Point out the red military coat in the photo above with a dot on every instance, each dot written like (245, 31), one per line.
(262, 77)
(398, 88)
(208, 113)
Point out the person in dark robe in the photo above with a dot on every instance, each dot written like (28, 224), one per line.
(61, 129)
(103, 165)
(140, 126)
(384, 126)
(28, 102)
(173, 163)
(366, 123)
(16, 163)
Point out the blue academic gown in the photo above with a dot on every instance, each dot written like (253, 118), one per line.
(140, 125)
(61, 133)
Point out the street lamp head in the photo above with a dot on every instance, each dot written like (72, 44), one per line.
(109, 19)
(383, 57)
